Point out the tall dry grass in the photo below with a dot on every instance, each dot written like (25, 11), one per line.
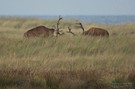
(112, 58)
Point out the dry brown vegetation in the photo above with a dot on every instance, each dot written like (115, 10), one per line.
(65, 62)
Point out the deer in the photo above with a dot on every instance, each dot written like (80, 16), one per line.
(94, 31)
(43, 31)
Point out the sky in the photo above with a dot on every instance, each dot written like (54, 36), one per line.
(67, 7)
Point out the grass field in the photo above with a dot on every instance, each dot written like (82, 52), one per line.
(65, 62)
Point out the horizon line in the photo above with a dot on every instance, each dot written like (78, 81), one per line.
(72, 15)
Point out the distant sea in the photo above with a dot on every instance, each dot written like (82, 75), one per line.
(98, 19)
(110, 19)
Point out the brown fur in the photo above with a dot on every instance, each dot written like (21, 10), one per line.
(43, 31)
(96, 32)
(39, 31)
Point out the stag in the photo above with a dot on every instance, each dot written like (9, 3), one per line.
(94, 31)
(43, 31)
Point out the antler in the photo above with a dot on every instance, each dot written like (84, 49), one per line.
(70, 31)
(58, 22)
(80, 26)
(60, 18)
(69, 28)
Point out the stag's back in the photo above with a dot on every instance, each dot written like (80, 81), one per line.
(39, 31)
(97, 32)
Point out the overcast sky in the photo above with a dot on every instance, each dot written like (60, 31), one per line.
(67, 7)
